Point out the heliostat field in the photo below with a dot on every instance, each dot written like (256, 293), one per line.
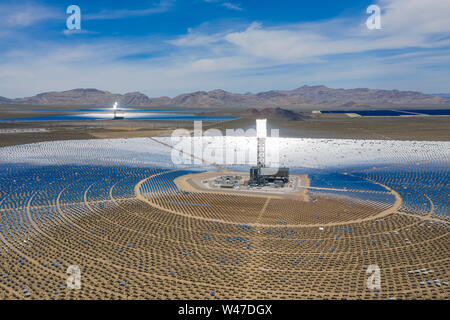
(131, 224)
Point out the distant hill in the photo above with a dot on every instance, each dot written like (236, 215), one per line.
(4, 100)
(84, 97)
(274, 113)
(352, 105)
(443, 95)
(304, 96)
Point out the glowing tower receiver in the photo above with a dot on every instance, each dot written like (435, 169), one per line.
(115, 110)
(261, 134)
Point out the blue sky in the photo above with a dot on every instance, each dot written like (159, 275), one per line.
(168, 47)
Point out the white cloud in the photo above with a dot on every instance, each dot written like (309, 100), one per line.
(228, 5)
(416, 17)
(232, 6)
(25, 14)
(195, 39)
(406, 24)
(18, 15)
(68, 32)
(160, 7)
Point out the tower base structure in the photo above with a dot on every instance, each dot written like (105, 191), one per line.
(260, 176)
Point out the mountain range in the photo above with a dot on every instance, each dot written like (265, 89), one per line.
(305, 96)
(443, 95)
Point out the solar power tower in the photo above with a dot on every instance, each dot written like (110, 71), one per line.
(261, 134)
(115, 110)
(260, 175)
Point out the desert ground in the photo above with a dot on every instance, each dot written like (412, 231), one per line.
(317, 126)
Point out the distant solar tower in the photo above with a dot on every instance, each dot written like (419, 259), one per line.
(261, 134)
(115, 110)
